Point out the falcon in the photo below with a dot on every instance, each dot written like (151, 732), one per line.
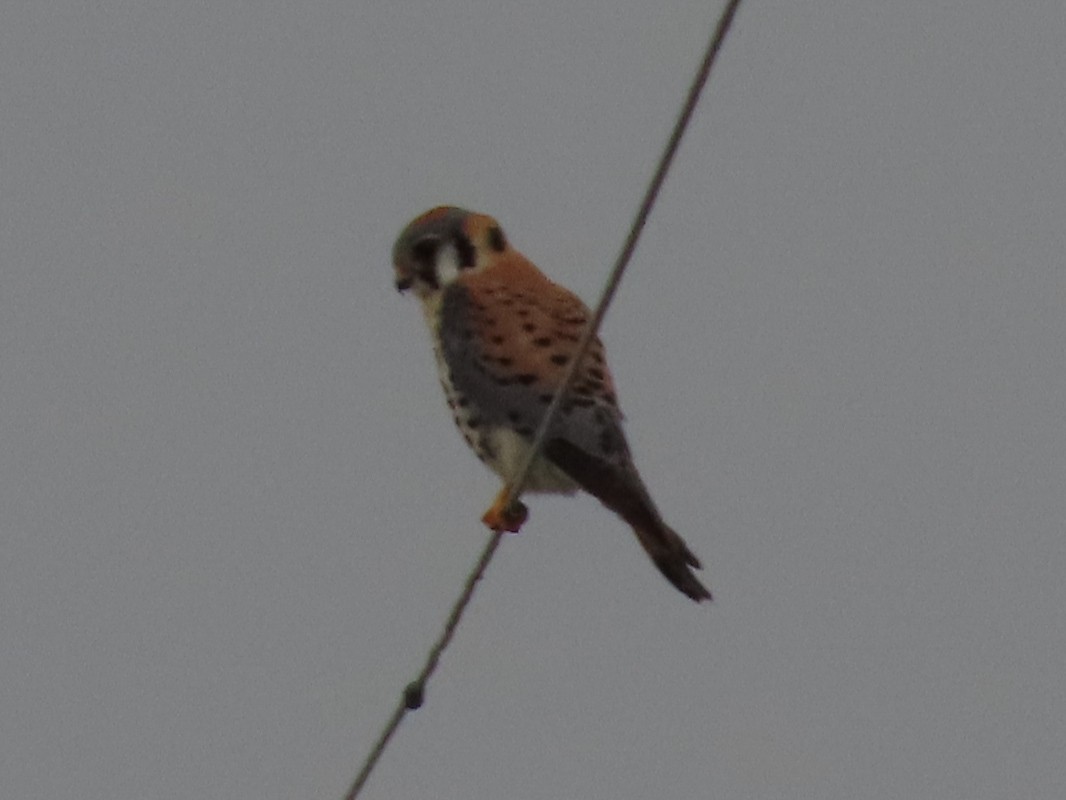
(504, 335)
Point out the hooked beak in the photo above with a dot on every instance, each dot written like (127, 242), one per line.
(405, 277)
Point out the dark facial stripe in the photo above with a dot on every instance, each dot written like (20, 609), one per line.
(424, 254)
(465, 250)
(496, 239)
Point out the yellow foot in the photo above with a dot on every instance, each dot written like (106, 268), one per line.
(501, 518)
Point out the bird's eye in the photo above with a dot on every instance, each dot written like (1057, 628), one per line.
(425, 250)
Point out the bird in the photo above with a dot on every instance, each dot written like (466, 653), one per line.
(503, 335)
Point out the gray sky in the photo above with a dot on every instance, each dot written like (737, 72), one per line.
(233, 507)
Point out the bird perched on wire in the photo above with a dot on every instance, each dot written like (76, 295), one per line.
(503, 335)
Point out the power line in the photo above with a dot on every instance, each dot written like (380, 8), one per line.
(414, 692)
(650, 196)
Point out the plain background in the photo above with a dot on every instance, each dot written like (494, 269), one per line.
(234, 509)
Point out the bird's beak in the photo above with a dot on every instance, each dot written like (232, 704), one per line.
(404, 280)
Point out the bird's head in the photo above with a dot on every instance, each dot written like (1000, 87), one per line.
(438, 246)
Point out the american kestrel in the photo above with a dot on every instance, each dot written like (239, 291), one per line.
(503, 335)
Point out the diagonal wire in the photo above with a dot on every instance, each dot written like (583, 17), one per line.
(620, 264)
(414, 692)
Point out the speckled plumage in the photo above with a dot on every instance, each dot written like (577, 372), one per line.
(503, 335)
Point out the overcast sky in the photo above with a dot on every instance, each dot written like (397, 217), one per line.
(233, 507)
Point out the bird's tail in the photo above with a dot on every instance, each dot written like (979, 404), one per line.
(671, 555)
(622, 491)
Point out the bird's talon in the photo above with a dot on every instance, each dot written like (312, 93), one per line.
(509, 519)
